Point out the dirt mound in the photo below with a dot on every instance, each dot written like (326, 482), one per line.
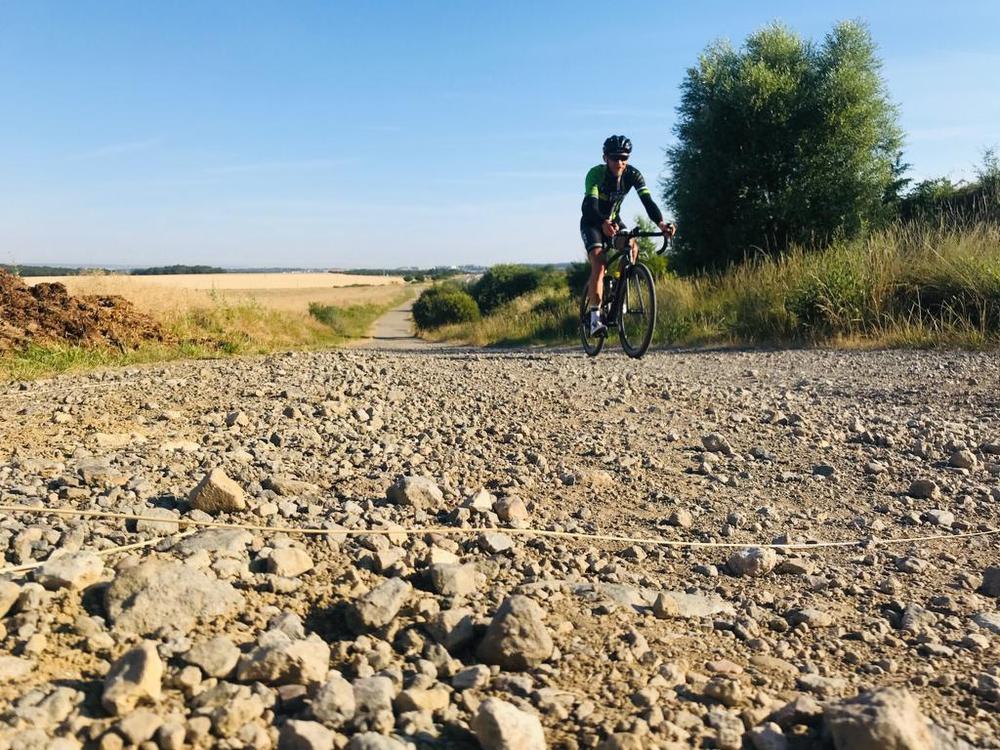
(46, 313)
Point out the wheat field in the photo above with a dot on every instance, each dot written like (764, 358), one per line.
(288, 292)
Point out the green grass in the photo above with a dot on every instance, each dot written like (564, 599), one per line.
(211, 332)
(909, 286)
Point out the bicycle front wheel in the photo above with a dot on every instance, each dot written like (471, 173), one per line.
(638, 314)
(591, 344)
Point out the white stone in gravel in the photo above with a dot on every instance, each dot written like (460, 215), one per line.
(716, 443)
(135, 677)
(495, 543)
(334, 702)
(472, 677)
(289, 562)
(988, 621)
(373, 695)
(768, 737)
(305, 735)
(882, 719)
(511, 509)
(416, 491)
(940, 517)
(224, 542)
(379, 606)
(77, 570)
(217, 493)
(139, 725)
(279, 659)
(216, 657)
(13, 668)
(9, 594)
(168, 525)
(752, 561)
(452, 628)
(499, 725)
(453, 580)
(157, 594)
(482, 501)
(517, 638)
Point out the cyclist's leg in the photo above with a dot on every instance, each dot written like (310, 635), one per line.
(593, 243)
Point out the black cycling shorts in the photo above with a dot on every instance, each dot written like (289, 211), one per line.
(593, 235)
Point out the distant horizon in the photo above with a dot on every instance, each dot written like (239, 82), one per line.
(396, 134)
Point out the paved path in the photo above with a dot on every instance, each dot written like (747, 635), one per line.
(394, 330)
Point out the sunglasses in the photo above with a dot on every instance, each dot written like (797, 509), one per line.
(618, 157)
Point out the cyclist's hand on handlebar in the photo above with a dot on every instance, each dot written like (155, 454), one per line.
(609, 228)
(668, 228)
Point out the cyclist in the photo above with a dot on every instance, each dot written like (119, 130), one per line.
(606, 186)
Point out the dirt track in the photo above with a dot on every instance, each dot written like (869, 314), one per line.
(744, 447)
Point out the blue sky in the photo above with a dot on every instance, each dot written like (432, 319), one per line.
(331, 134)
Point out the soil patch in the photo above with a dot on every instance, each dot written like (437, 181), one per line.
(47, 313)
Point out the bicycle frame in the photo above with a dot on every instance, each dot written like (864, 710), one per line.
(623, 257)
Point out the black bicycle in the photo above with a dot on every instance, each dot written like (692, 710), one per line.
(629, 300)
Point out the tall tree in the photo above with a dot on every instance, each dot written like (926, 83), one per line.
(782, 142)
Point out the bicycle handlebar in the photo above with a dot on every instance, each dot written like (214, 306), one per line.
(636, 232)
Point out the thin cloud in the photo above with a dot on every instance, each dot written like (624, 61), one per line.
(279, 166)
(119, 149)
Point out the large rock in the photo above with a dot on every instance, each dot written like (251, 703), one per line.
(157, 595)
(217, 493)
(280, 659)
(753, 561)
(379, 606)
(75, 570)
(517, 638)
(136, 677)
(882, 719)
(499, 725)
(418, 492)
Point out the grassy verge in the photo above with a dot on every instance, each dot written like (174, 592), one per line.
(210, 332)
(910, 286)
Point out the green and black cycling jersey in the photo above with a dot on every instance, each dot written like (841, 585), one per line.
(604, 195)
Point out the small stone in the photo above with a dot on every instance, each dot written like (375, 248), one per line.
(453, 628)
(810, 616)
(289, 562)
(280, 659)
(495, 543)
(879, 719)
(665, 606)
(924, 489)
(217, 493)
(10, 592)
(472, 677)
(511, 510)
(434, 699)
(139, 725)
(681, 518)
(216, 657)
(134, 678)
(305, 735)
(375, 741)
(419, 492)
(75, 571)
(753, 561)
(453, 580)
(990, 587)
(379, 606)
(768, 737)
(499, 725)
(12, 668)
(517, 638)
(716, 443)
(940, 517)
(334, 702)
(963, 459)
(168, 525)
(727, 691)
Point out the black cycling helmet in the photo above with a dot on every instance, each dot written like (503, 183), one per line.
(617, 144)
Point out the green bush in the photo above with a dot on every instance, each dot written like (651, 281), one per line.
(505, 282)
(444, 304)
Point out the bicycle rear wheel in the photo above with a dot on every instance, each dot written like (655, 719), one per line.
(638, 314)
(591, 344)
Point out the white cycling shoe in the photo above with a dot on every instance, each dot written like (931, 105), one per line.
(597, 326)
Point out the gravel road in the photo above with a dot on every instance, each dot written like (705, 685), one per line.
(490, 638)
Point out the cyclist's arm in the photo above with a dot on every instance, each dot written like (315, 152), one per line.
(652, 210)
(591, 211)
